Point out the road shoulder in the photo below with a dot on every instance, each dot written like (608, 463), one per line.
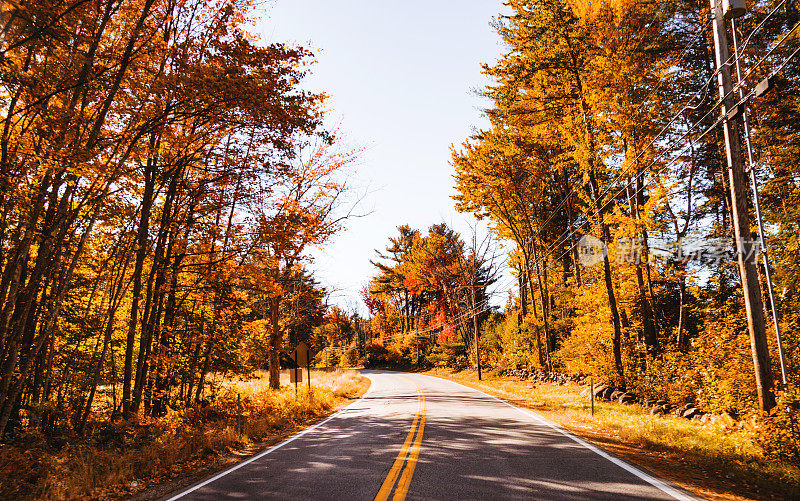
(201, 470)
(679, 470)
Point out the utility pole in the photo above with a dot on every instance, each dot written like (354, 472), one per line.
(416, 334)
(746, 247)
(475, 330)
(757, 206)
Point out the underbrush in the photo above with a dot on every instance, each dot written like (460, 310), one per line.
(121, 458)
(733, 452)
(343, 383)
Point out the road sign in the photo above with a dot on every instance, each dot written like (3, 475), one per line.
(303, 355)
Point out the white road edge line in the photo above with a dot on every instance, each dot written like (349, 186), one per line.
(622, 464)
(264, 453)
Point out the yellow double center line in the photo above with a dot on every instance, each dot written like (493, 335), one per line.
(408, 455)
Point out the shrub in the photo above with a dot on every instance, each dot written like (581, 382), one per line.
(376, 355)
(721, 366)
(452, 355)
(779, 434)
(326, 358)
(401, 353)
(349, 358)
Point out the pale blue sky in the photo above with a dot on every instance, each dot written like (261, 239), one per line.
(401, 76)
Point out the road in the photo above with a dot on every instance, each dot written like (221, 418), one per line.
(413, 436)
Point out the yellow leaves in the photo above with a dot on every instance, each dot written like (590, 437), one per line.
(588, 11)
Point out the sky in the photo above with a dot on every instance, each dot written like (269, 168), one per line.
(401, 76)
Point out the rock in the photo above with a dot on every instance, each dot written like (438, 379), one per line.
(599, 389)
(690, 412)
(657, 410)
(727, 420)
(606, 395)
(615, 395)
(661, 402)
(750, 425)
(626, 399)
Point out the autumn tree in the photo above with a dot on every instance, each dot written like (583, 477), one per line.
(149, 156)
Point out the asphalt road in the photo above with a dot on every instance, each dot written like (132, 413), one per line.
(419, 437)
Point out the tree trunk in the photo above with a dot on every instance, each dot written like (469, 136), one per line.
(541, 277)
(274, 344)
(644, 306)
(681, 336)
(532, 293)
(615, 318)
(141, 253)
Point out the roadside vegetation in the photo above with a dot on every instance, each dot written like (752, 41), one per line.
(120, 459)
(164, 175)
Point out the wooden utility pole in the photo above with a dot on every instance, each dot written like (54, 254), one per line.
(475, 327)
(746, 248)
(416, 335)
(762, 239)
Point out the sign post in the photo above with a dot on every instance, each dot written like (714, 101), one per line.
(294, 369)
(302, 356)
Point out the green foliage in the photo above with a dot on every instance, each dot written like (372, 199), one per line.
(349, 358)
(452, 355)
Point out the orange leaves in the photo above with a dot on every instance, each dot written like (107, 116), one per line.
(168, 124)
(299, 206)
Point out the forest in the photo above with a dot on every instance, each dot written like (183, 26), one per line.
(604, 175)
(163, 176)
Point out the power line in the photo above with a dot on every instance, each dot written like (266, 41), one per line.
(701, 93)
(575, 227)
(649, 96)
(719, 120)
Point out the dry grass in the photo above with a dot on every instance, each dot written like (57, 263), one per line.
(719, 462)
(342, 382)
(121, 459)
